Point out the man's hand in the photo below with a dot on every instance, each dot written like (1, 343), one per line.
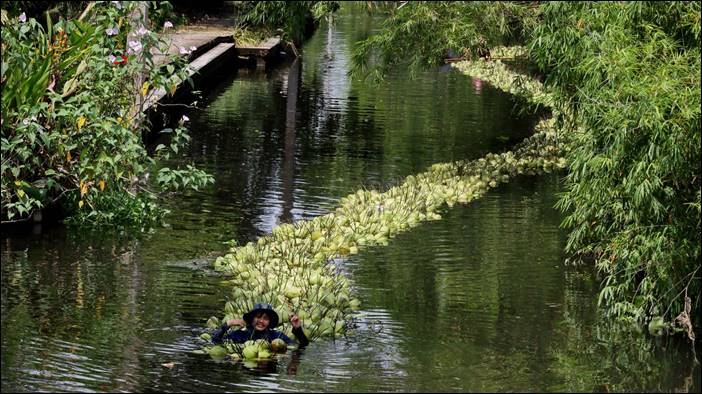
(236, 322)
(295, 321)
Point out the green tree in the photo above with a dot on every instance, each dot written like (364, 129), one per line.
(294, 17)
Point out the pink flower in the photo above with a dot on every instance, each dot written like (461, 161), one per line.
(112, 31)
(23, 17)
(142, 31)
(184, 51)
(184, 119)
(111, 58)
(167, 25)
(193, 48)
(135, 46)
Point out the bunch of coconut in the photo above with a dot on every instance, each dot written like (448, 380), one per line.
(292, 269)
(296, 268)
(258, 350)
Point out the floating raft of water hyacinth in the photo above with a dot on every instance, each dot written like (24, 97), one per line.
(295, 268)
(499, 75)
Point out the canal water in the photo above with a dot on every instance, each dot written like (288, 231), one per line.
(482, 300)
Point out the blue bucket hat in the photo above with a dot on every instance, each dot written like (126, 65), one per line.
(262, 307)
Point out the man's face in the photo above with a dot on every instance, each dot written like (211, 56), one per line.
(261, 321)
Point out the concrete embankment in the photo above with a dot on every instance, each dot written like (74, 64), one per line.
(209, 47)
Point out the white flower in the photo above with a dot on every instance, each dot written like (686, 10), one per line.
(25, 121)
(167, 25)
(184, 119)
(112, 31)
(23, 17)
(142, 31)
(184, 51)
(111, 59)
(117, 4)
(135, 46)
(193, 48)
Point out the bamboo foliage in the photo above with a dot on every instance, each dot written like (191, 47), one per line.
(625, 80)
(630, 72)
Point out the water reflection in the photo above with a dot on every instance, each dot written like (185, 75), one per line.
(293, 84)
(478, 85)
(75, 317)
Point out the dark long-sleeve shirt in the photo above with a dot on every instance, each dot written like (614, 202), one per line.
(241, 336)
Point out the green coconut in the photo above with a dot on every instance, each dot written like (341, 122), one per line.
(279, 346)
(213, 322)
(217, 351)
(264, 354)
(262, 344)
(250, 364)
(355, 304)
(250, 352)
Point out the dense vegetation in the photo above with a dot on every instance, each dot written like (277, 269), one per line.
(72, 128)
(630, 74)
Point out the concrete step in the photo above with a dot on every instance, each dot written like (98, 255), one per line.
(261, 49)
(199, 67)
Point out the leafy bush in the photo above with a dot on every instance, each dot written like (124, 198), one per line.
(292, 17)
(71, 126)
(631, 73)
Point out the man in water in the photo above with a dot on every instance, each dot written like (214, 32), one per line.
(260, 323)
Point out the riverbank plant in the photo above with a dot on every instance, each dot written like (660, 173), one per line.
(72, 120)
(625, 79)
(630, 73)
